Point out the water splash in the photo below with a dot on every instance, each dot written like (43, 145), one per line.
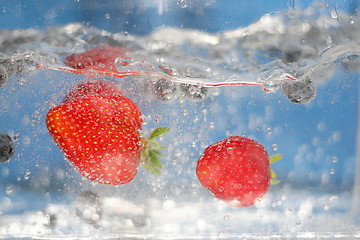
(282, 48)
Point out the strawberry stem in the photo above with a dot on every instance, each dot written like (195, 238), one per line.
(275, 158)
(150, 152)
(272, 159)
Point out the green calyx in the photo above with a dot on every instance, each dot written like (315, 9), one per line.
(150, 152)
(272, 159)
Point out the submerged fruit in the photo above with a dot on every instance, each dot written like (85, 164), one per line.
(98, 129)
(7, 148)
(235, 170)
(99, 135)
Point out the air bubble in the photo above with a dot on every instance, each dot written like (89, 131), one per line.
(185, 112)
(334, 159)
(144, 119)
(230, 150)
(107, 16)
(9, 190)
(16, 137)
(274, 147)
(268, 131)
(22, 81)
(332, 171)
(226, 218)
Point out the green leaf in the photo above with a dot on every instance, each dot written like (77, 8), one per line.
(274, 181)
(157, 152)
(156, 171)
(275, 158)
(154, 160)
(158, 131)
(272, 174)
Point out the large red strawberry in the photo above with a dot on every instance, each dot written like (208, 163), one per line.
(100, 135)
(236, 170)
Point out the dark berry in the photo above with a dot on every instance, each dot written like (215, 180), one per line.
(7, 148)
(193, 91)
(3, 76)
(164, 89)
(299, 92)
(88, 207)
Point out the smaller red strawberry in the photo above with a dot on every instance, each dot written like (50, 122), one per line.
(92, 88)
(236, 170)
(99, 58)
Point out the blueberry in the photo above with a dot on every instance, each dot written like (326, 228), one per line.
(291, 56)
(164, 89)
(299, 92)
(7, 148)
(3, 76)
(89, 207)
(193, 91)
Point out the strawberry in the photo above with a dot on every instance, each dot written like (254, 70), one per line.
(236, 170)
(99, 133)
(102, 57)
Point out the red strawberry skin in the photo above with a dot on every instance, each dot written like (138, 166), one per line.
(93, 88)
(102, 57)
(235, 170)
(99, 135)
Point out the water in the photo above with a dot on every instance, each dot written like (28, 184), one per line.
(288, 80)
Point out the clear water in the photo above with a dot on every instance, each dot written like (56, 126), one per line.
(242, 82)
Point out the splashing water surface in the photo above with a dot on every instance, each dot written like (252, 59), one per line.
(205, 86)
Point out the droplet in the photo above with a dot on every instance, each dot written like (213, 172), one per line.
(273, 204)
(12, 90)
(4, 109)
(107, 16)
(16, 137)
(226, 218)
(274, 147)
(52, 105)
(298, 222)
(185, 112)
(212, 125)
(332, 171)
(334, 159)
(268, 131)
(22, 81)
(230, 150)
(9, 190)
